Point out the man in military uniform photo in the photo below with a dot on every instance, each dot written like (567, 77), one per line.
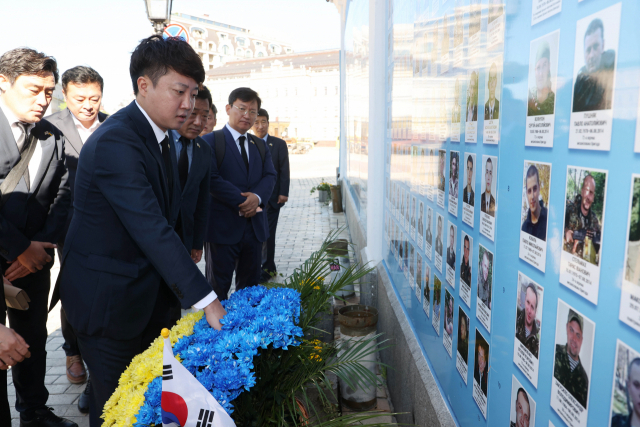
(581, 225)
(451, 250)
(484, 283)
(526, 327)
(568, 369)
(465, 267)
(593, 89)
(439, 237)
(468, 195)
(535, 223)
(429, 235)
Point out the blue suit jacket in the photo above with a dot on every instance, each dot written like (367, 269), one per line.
(194, 201)
(121, 245)
(225, 225)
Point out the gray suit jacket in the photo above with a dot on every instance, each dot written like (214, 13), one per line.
(64, 121)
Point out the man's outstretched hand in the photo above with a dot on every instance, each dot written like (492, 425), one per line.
(13, 348)
(214, 312)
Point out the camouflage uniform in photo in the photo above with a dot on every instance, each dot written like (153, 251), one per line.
(574, 220)
(576, 382)
(532, 343)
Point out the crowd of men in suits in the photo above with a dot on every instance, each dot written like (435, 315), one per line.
(130, 202)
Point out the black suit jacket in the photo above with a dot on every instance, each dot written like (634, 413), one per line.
(38, 215)
(63, 120)
(492, 205)
(121, 246)
(194, 201)
(280, 157)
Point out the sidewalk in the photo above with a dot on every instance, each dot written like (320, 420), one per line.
(303, 225)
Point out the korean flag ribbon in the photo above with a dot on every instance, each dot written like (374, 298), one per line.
(185, 402)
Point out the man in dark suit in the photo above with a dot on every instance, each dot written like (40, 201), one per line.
(487, 201)
(241, 186)
(194, 161)
(82, 88)
(280, 194)
(33, 212)
(492, 106)
(212, 119)
(122, 257)
(468, 196)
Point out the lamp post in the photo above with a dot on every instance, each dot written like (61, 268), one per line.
(159, 13)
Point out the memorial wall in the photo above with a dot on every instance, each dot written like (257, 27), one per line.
(511, 199)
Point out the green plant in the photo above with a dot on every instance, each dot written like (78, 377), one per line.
(284, 379)
(323, 186)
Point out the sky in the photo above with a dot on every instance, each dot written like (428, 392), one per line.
(102, 34)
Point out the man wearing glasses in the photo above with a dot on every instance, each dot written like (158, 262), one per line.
(242, 179)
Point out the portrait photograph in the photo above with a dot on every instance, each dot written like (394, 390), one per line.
(412, 256)
(523, 407)
(439, 234)
(543, 75)
(529, 314)
(475, 17)
(596, 51)
(489, 196)
(485, 275)
(426, 290)
(420, 223)
(466, 265)
(463, 335)
(413, 216)
(629, 307)
(448, 313)
(573, 356)
(625, 396)
(492, 89)
(481, 364)
(407, 210)
(454, 170)
(535, 199)
(429, 232)
(584, 213)
(418, 276)
(437, 298)
(442, 160)
(471, 113)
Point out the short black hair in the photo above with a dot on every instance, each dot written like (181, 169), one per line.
(594, 26)
(203, 93)
(155, 56)
(533, 170)
(244, 94)
(213, 108)
(470, 160)
(23, 61)
(81, 75)
(466, 239)
(263, 113)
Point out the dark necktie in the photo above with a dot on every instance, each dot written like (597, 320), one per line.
(166, 156)
(23, 147)
(243, 150)
(183, 162)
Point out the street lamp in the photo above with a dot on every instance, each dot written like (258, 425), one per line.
(159, 13)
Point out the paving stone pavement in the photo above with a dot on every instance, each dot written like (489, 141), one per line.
(303, 225)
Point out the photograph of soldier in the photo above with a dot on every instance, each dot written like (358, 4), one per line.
(468, 194)
(439, 236)
(584, 212)
(487, 201)
(413, 212)
(632, 261)
(485, 275)
(448, 313)
(465, 266)
(542, 76)
(625, 401)
(418, 276)
(437, 289)
(495, 10)
(475, 15)
(451, 248)
(472, 98)
(442, 158)
(458, 29)
(536, 197)
(463, 334)
(411, 261)
(568, 366)
(492, 106)
(429, 235)
(593, 88)
(481, 365)
(444, 41)
(455, 110)
(523, 408)
(453, 173)
(527, 317)
(426, 292)
(421, 221)
(402, 204)
(408, 209)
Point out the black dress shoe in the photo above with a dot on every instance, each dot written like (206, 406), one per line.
(44, 418)
(83, 402)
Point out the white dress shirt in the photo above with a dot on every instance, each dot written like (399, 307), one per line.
(84, 132)
(34, 163)
(160, 135)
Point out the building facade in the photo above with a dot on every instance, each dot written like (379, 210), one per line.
(301, 92)
(217, 43)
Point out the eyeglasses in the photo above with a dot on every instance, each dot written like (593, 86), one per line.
(244, 111)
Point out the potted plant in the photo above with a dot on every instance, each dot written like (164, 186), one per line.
(324, 189)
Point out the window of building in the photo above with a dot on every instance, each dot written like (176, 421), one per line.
(211, 67)
(212, 46)
(258, 44)
(288, 50)
(210, 58)
(260, 55)
(197, 32)
(225, 49)
(274, 48)
(239, 52)
(200, 44)
(222, 36)
(247, 53)
(240, 41)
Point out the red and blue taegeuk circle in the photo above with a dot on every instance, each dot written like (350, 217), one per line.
(174, 409)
